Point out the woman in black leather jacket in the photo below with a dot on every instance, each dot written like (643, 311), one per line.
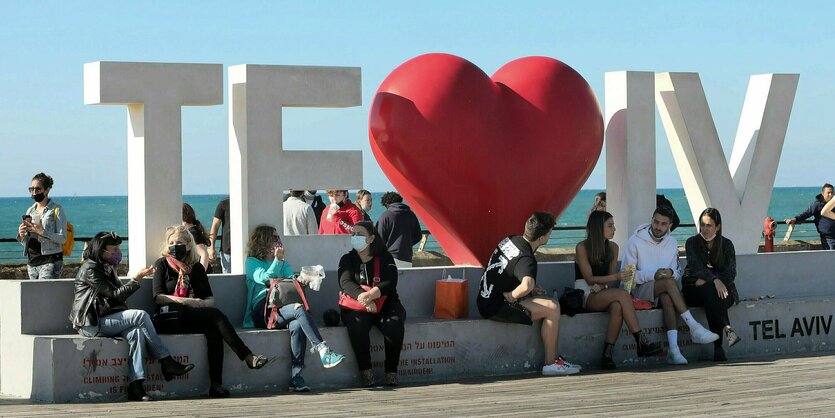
(99, 310)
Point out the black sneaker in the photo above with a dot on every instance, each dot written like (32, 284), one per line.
(648, 349)
(732, 336)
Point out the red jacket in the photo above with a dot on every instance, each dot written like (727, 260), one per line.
(342, 222)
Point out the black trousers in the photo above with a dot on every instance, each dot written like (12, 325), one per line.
(391, 323)
(217, 328)
(716, 309)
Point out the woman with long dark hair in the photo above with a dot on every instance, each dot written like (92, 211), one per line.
(99, 310)
(369, 263)
(201, 237)
(709, 277)
(596, 272)
(186, 305)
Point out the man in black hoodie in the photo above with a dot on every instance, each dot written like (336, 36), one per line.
(826, 227)
(399, 227)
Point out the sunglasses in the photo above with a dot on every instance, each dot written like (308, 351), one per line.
(36, 189)
(111, 234)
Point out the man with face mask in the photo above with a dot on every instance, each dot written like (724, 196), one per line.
(315, 202)
(43, 231)
(299, 217)
(654, 252)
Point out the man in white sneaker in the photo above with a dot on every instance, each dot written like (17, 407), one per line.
(654, 252)
(508, 291)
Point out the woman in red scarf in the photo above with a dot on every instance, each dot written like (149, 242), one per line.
(186, 305)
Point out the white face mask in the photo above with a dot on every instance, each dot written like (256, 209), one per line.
(358, 243)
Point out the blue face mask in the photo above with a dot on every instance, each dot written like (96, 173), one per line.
(115, 258)
(358, 243)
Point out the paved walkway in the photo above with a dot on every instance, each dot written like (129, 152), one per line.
(802, 386)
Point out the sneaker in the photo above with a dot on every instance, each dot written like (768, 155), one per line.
(367, 377)
(391, 379)
(331, 359)
(732, 336)
(648, 349)
(558, 368)
(675, 357)
(701, 335)
(297, 384)
(569, 364)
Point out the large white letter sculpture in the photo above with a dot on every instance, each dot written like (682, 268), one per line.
(630, 149)
(154, 94)
(260, 170)
(741, 192)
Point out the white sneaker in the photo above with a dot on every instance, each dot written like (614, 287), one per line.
(702, 335)
(558, 368)
(675, 357)
(569, 364)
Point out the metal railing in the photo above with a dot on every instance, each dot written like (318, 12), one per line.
(566, 237)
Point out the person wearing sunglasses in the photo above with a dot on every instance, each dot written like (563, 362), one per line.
(43, 232)
(99, 310)
(265, 261)
(186, 305)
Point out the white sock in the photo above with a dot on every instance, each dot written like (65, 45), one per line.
(322, 348)
(689, 320)
(672, 339)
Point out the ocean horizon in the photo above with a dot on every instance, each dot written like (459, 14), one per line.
(91, 214)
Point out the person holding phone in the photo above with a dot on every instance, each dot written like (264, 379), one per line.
(265, 261)
(43, 232)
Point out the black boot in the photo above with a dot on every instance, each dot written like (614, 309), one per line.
(607, 362)
(171, 368)
(646, 348)
(216, 390)
(136, 392)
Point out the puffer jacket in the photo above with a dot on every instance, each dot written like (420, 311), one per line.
(98, 280)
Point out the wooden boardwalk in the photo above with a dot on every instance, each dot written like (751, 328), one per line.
(797, 387)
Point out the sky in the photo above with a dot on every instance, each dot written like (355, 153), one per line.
(45, 126)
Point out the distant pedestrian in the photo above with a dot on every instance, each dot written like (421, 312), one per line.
(43, 231)
(824, 224)
(221, 221)
(341, 215)
(363, 200)
(299, 217)
(399, 227)
(599, 203)
(315, 201)
(200, 236)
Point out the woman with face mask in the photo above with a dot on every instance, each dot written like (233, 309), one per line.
(99, 310)
(709, 278)
(364, 201)
(186, 305)
(370, 264)
(43, 231)
(265, 261)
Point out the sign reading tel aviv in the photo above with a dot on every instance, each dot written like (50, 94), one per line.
(507, 122)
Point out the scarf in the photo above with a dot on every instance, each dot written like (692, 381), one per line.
(183, 288)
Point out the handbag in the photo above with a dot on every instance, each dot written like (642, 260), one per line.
(451, 298)
(571, 301)
(167, 318)
(348, 303)
(280, 293)
(641, 304)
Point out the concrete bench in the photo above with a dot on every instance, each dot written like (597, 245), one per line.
(40, 357)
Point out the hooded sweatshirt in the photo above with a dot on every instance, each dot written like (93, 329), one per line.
(648, 256)
(399, 227)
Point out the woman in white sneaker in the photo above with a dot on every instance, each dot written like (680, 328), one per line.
(708, 280)
(595, 270)
(265, 261)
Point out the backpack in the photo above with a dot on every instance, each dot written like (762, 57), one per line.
(281, 292)
(70, 234)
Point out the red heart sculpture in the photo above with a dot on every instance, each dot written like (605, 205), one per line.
(475, 156)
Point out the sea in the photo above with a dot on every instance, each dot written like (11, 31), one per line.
(91, 214)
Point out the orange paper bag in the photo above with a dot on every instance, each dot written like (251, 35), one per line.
(451, 299)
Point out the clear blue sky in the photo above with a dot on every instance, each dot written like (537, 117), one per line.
(44, 125)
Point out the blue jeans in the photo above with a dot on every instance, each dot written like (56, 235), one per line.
(300, 324)
(827, 242)
(135, 326)
(46, 271)
(226, 262)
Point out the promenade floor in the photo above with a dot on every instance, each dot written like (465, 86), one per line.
(803, 386)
